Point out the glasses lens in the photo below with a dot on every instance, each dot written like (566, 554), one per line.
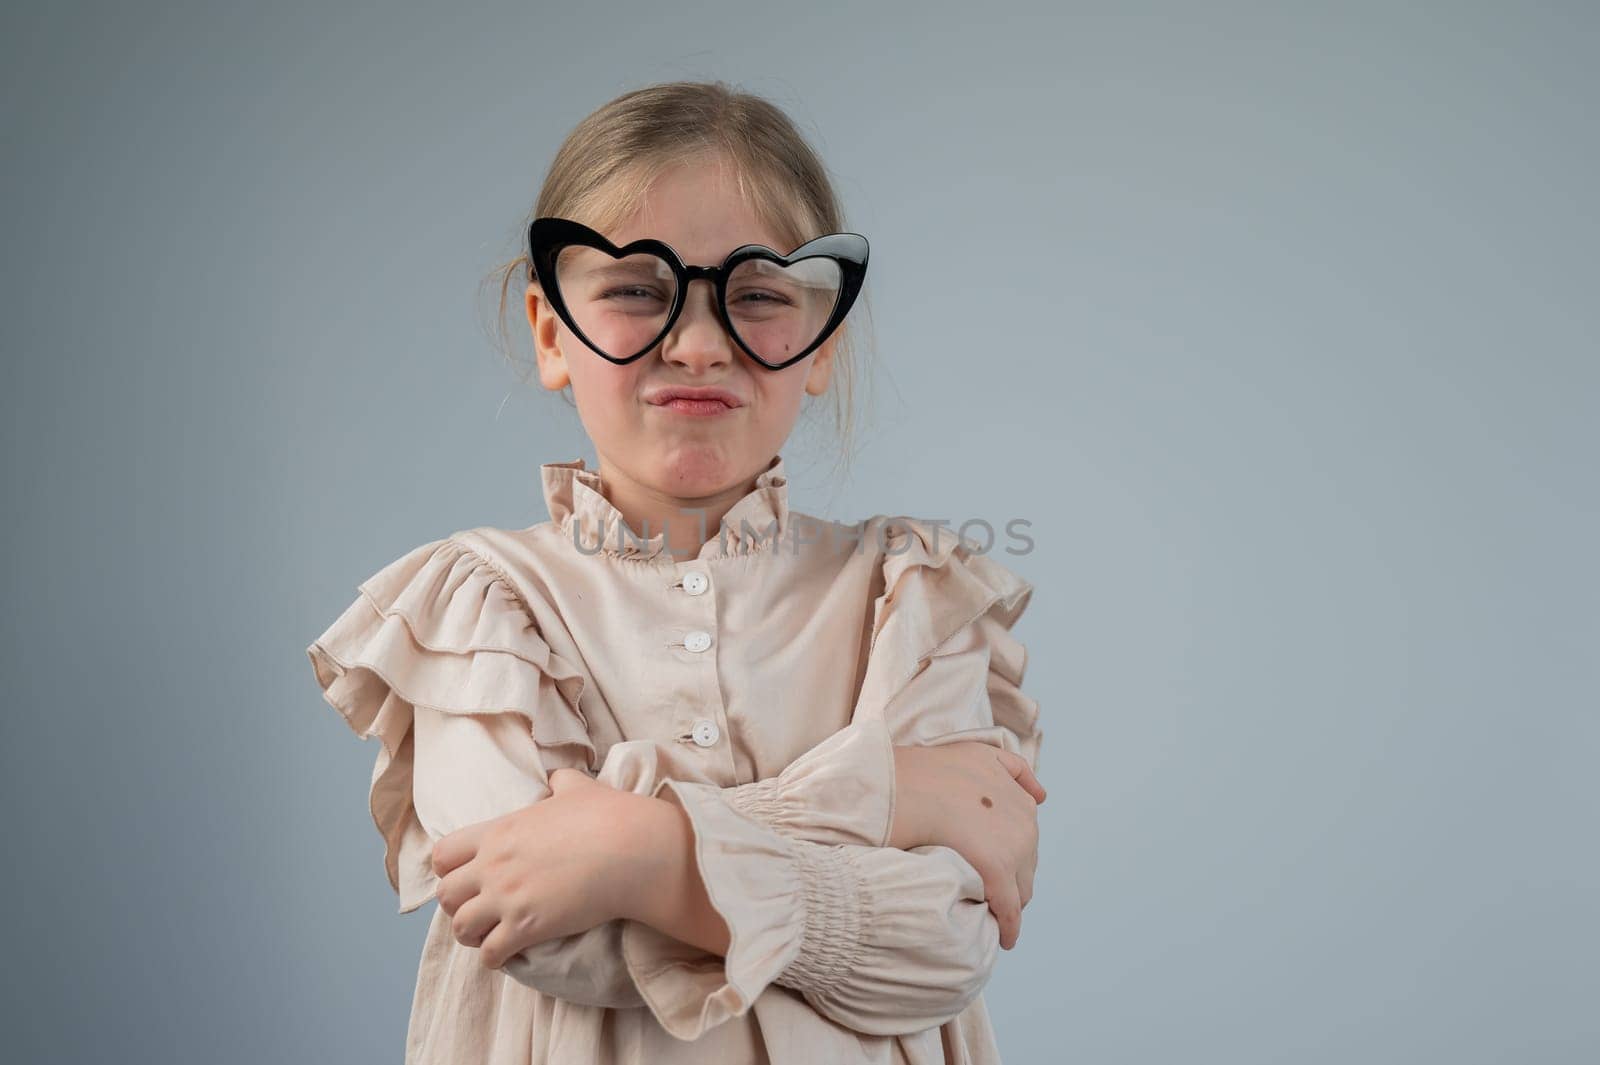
(621, 304)
(777, 310)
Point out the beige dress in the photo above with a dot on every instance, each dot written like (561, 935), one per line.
(761, 686)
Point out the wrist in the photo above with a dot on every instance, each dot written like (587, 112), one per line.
(909, 825)
(903, 833)
(667, 892)
(658, 848)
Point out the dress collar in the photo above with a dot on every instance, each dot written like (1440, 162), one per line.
(578, 506)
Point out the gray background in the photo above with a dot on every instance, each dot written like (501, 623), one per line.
(1277, 322)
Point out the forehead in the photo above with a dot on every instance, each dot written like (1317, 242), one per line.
(698, 209)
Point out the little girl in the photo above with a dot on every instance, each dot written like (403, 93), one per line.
(693, 776)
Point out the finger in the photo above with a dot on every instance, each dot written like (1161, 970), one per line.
(457, 886)
(1021, 772)
(1008, 912)
(473, 921)
(1000, 892)
(1025, 884)
(499, 945)
(458, 847)
(562, 778)
(1035, 788)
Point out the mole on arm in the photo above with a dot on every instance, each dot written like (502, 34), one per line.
(988, 801)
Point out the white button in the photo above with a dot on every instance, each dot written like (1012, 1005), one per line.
(698, 640)
(695, 582)
(706, 732)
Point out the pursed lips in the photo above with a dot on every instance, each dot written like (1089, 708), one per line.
(696, 401)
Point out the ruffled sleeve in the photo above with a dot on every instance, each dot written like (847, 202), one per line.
(440, 660)
(440, 632)
(944, 666)
(840, 791)
(883, 941)
(944, 663)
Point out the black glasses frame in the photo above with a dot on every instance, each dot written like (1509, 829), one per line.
(547, 236)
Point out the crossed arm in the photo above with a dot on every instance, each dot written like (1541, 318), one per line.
(881, 940)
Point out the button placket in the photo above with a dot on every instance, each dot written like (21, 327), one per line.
(705, 731)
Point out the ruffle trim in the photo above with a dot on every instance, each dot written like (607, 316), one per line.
(690, 990)
(935, 585)
(585, 516)
(911, 950)
(440, 628)
(881, 940)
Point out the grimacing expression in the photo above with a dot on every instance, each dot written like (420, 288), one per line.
(684, 449)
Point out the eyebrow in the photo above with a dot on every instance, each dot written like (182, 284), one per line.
(616, 269)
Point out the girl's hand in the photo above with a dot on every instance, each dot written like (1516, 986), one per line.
(982, 802)
(548, 870)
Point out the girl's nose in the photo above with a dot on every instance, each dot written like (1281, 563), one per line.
(697, 340)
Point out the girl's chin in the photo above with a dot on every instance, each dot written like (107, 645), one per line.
(694, 469)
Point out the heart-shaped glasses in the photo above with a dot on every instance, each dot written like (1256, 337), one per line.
(622, 301)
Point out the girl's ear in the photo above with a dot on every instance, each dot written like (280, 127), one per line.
(544, 325)
(821, 366)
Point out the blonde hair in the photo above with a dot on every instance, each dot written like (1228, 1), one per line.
(610, 158)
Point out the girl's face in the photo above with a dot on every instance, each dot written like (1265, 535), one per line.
(668, 452)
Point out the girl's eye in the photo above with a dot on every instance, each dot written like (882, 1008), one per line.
(765, 297)
(629, 291)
